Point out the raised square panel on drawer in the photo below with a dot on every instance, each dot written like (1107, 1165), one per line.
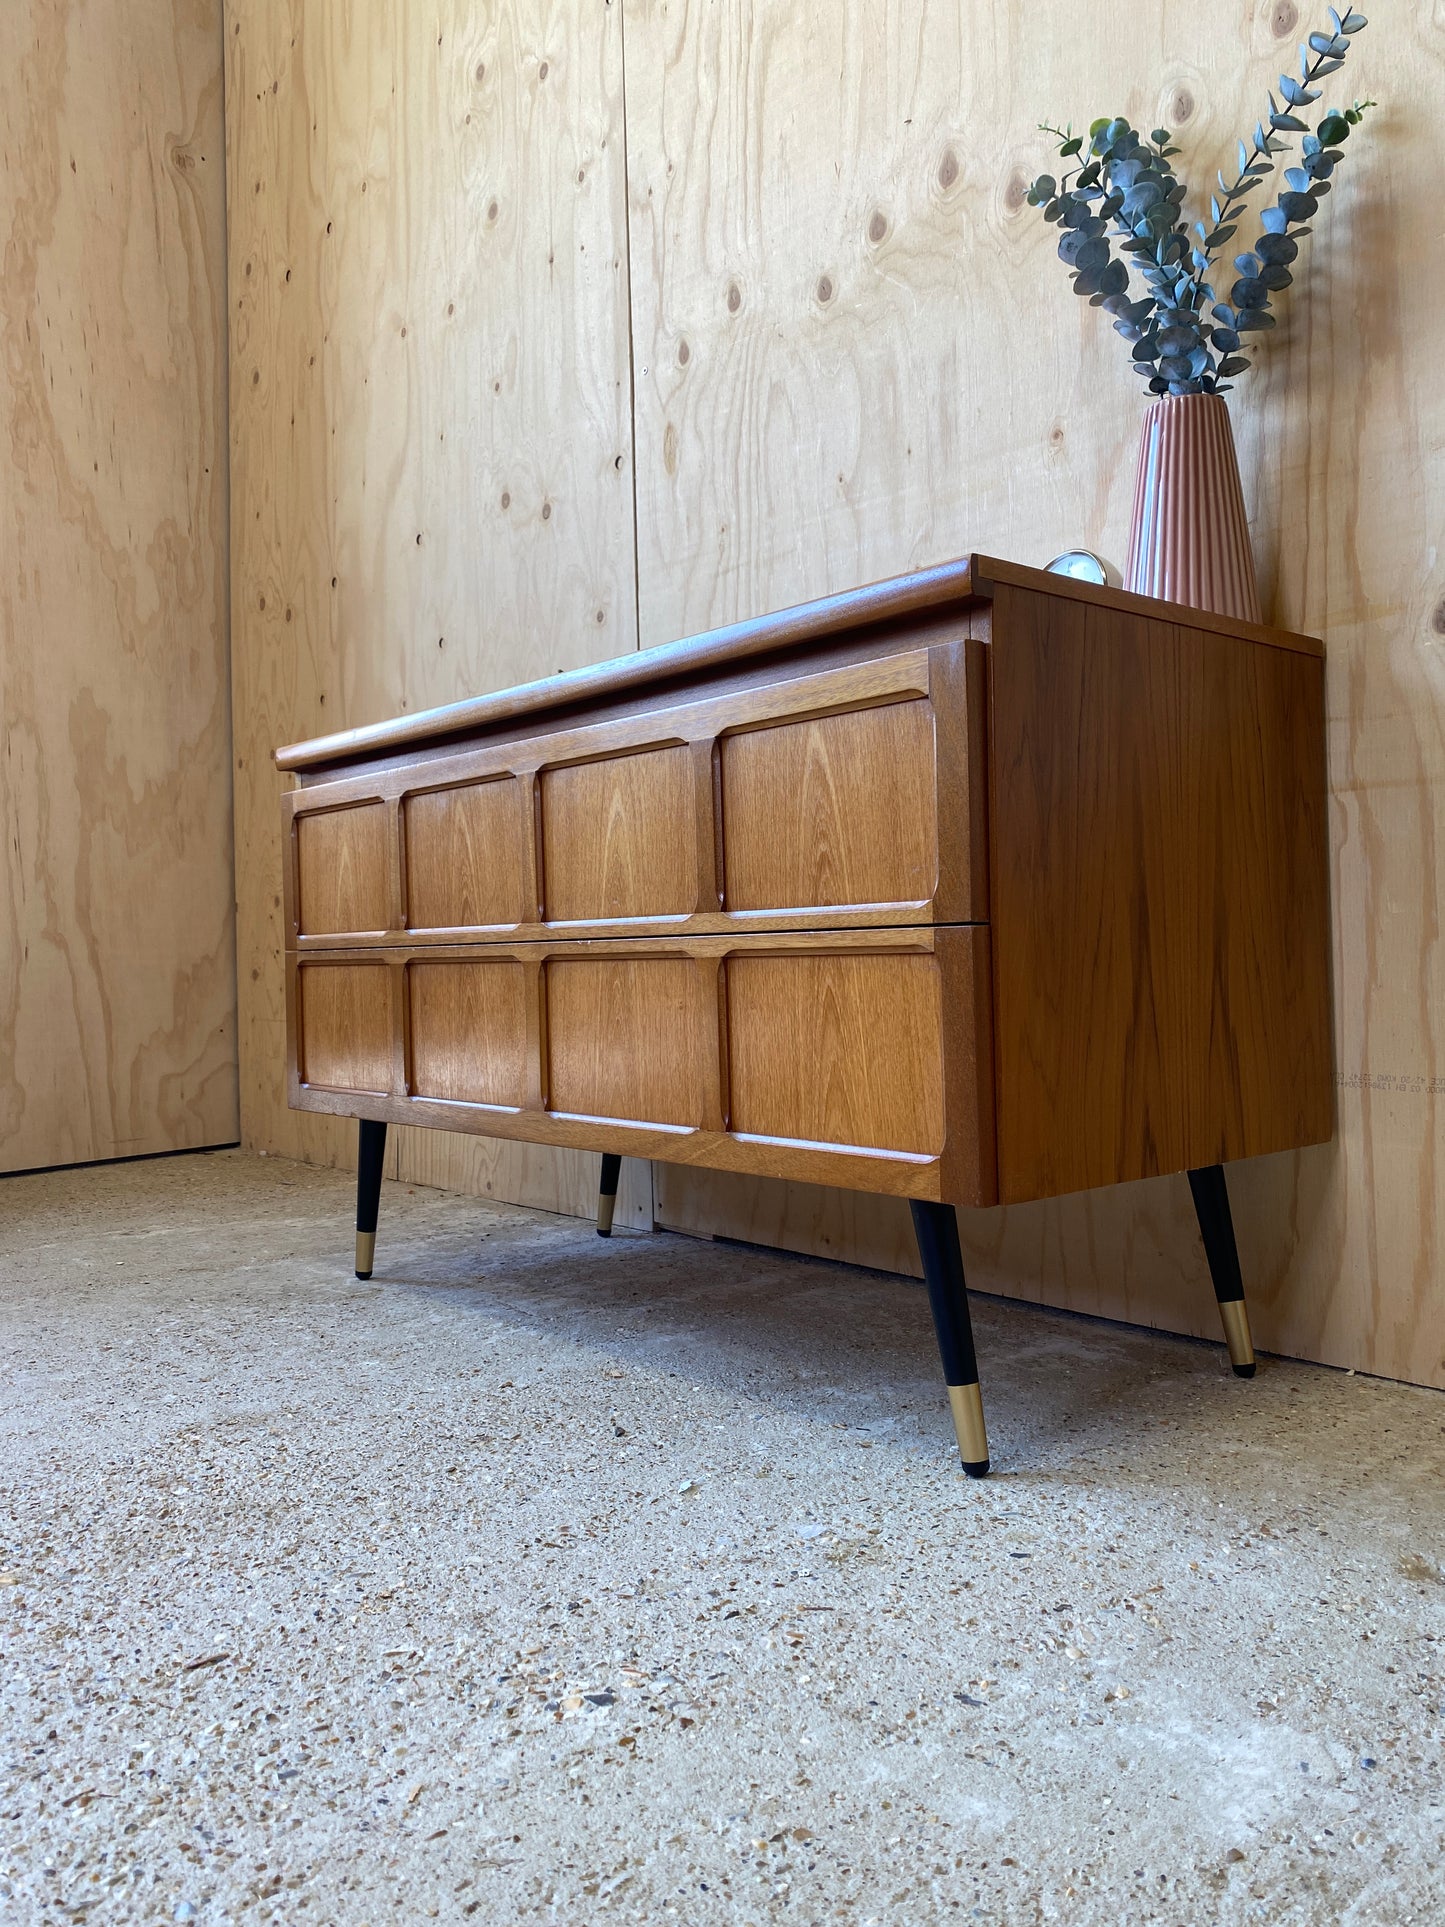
(344, 1013)
(465, 865)
(836, 810)
(630, 1038)
(342, 868)
(619, 837)
(469, 1031)
(837, 1050)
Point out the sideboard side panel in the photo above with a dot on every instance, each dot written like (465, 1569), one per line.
(1159, 896)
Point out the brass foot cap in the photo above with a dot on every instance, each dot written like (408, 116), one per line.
(365, 1252)
(1235, 1319)
(968, 1428)
(606, 1205)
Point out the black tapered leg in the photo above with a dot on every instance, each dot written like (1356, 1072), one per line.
(1216, 1227)
(370, 1152)
(936, 1227)
(607, 1192)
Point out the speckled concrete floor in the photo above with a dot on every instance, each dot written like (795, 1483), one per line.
(548, 1579)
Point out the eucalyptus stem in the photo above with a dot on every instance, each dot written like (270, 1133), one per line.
(1124, 193)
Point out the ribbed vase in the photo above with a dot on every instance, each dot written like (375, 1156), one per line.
(1190, 538)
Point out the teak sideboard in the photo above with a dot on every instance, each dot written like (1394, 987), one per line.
(975, 886)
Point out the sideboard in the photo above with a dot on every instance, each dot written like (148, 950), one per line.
(976, 886)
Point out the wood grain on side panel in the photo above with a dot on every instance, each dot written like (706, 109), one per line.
(630, 1038)
(343, 864)
(345, 1023)
(620, 837)
(466, 857)
(838, 810)
(1158, 861)
(837, 1050)
(468, 1031)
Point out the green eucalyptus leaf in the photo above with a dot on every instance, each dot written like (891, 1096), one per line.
(1225, 340)
(1143, 195)
(1233, 365)
(1276, 248)
(1297, 207)
(1333, 129)
(1115, 278)
(1275, 277)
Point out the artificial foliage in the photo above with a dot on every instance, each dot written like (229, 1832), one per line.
(1188, 338)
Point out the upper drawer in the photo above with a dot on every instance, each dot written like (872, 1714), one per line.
(847, 795)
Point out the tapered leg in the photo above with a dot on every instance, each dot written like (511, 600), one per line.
(936, 1226)
(370, 1152)
(607, 1192)
(1216, 1227)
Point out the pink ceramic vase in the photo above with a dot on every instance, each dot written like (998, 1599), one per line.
(1190, 538)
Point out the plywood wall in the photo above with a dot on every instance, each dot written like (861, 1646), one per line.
(860, 355)
(854, 352)
(117, 965)
(431, 420)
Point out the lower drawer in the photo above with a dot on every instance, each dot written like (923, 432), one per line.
(861, 1059)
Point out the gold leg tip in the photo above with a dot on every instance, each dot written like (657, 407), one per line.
(1235, 1318)
(606, 1205)
(967, 1404)
(365, 1253)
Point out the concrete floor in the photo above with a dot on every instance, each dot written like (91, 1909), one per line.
(549, 1579)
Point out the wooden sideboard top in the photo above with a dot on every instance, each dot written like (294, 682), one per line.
(932, 591)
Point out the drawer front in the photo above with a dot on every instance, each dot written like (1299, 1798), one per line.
(343, 858)
(850, 796)
(862, 1059)
(837, 1049)
(467, 1025)
(838, 810)
(619, 838)
(463, 856)
(345, 1025)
